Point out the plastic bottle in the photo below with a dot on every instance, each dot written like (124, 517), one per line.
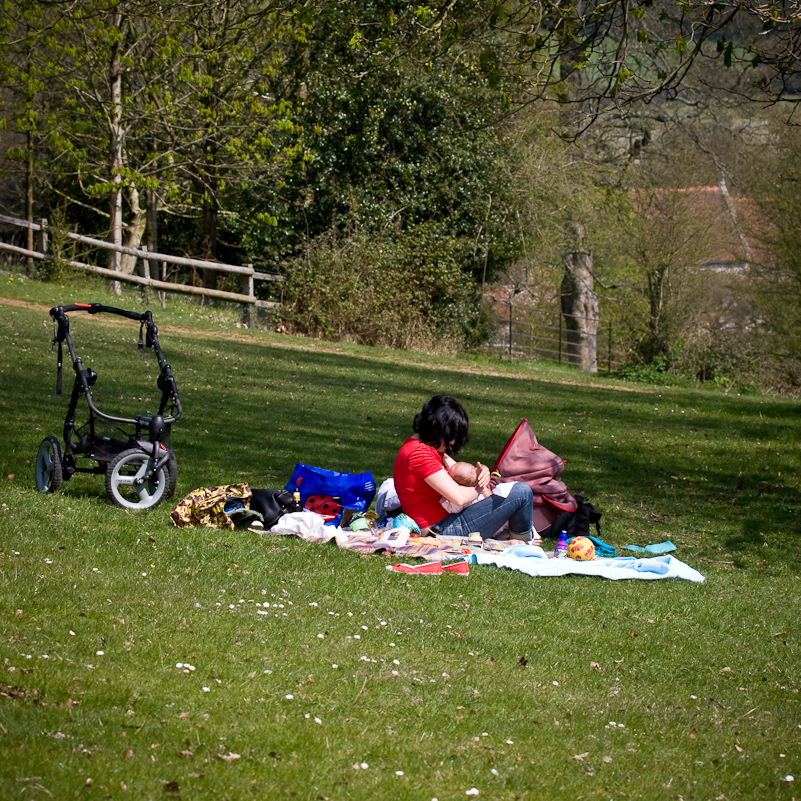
(296, 498)
(560, 551)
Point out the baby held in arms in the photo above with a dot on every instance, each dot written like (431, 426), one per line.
(466, 475)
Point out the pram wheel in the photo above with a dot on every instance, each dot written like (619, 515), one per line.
(48, 465)
(124, 482)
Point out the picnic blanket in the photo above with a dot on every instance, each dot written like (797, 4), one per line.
(529, 559)
(532, 560)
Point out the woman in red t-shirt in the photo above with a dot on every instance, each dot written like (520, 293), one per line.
(421, 479)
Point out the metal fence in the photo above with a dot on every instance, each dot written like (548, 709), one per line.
(544, 335)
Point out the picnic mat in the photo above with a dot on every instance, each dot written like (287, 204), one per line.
(529, 559)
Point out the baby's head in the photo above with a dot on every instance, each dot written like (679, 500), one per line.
(464, 473)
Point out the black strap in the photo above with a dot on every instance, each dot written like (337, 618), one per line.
(58, 371)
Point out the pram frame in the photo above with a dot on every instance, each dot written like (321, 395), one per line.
(152, 458)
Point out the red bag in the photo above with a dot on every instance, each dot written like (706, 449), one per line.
(524, 459)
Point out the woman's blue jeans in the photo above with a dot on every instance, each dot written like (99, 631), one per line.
(488, 516)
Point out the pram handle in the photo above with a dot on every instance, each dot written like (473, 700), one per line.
(96, 308)
(166, 382)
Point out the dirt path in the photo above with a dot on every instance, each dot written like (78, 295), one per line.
(314, 346)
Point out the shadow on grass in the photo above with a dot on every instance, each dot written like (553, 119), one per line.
(684, 462)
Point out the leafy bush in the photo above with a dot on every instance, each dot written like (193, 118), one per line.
(399, 290)
(657, 371)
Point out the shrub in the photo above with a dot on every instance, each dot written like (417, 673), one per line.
(398, 289)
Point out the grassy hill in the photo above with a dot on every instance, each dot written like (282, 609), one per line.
(518, 687)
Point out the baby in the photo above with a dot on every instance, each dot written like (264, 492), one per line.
(466, 475)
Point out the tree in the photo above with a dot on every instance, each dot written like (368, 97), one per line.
(775, 183)
(28, 109)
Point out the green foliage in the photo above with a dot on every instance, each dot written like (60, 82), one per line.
(403, 289)
(399, 144)
(657, 371)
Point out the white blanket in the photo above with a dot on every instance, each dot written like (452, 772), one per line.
(532, 560)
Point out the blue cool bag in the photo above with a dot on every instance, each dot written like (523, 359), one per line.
(356, 490)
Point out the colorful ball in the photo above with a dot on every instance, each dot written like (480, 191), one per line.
(581, 548)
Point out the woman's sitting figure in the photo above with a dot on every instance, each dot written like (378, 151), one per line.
(422, 478)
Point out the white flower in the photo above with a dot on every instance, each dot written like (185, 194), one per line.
(144, 574)
(399, 773)
(494, 772)
(321, 636)
(317, 720)
(364, 628)
(510, 742)
(334, 666)
(313, 603)
(396, 661)
(100, 653)
(394, 672)
(179, 665)
(72, 632)
(364, 766)
(357, 636)
(289, 697)
(472, 791)
(207, 689)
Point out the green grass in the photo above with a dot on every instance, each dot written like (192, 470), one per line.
(513, 685)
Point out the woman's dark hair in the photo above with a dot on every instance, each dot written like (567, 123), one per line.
(442, 420)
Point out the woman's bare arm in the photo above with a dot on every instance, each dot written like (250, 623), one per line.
(449, 489)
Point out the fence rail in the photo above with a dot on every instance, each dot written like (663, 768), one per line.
(249, 300)
(549, 339)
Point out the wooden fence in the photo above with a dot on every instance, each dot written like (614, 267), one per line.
(249, 275)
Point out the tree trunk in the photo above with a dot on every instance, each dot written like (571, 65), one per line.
(580, 310)
(152, 235)
(115, 154)
(30, 266)
(134, 230)
(724, 191)
(209, 243)
(656, 342)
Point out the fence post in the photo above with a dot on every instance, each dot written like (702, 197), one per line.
(41, 237)
(510, 330)
(146, 291)
(249, 310)
(560, 337)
